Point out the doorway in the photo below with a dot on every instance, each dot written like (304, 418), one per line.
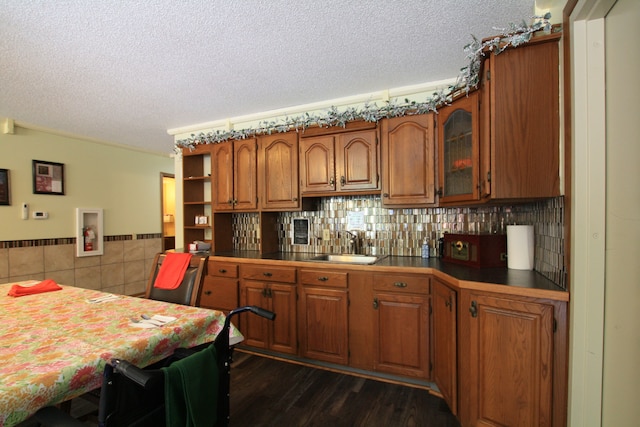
(168, 210)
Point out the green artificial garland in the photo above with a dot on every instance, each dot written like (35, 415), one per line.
(468, 79)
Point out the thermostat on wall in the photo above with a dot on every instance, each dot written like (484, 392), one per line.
(40, 215)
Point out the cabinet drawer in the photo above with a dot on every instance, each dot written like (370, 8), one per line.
(323, 278)
(219, 293)
(266, 273)
(222, 269)
(400, 283)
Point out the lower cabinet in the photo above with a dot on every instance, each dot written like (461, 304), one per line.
(444, 342)
(506, 360)
(273, 294)
(220, 286)
(401, 325)
(323, 316)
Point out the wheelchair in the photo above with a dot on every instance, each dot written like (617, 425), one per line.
(135, 397)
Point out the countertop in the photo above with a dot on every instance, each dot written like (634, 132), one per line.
(500, 280)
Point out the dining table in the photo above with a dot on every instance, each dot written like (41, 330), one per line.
(54, 345)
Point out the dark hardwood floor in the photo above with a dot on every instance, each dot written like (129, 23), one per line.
(269, 392)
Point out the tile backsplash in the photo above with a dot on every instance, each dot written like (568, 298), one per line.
(400, 232)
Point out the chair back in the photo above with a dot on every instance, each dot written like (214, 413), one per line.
(188, 292)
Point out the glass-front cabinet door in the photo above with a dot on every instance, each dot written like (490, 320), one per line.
(458, 134)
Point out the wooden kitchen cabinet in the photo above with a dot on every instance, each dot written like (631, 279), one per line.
(340, 163)
(401, 325)
(220, 290)
(444, 342)
(279, 187)
(459, 150)
(196, 193)
(273, 288)
(520, 132)
(408, 161)
(323, 316)
(506, 360)
(234, 172)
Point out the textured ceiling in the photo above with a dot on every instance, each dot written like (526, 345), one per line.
(124, 72)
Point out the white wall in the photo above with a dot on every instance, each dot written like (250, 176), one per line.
(621, 369)
(605, 333)
(125, 183)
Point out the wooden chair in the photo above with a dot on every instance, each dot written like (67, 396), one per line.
(188, 292)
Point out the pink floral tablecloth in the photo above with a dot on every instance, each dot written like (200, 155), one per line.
(54, 345)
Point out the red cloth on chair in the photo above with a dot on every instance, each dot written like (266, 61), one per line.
(44, 286)
(172, 270)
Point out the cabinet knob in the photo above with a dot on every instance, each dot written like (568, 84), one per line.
(323, 278)
(343, 181)
(400, 284)
(474, 309)
(222, 270)
(267, 274)
(207, 292)
(332, 181)
(385, 195)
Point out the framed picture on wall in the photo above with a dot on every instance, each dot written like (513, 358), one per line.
(48, 178)
(5, 196)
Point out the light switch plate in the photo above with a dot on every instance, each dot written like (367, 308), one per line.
(326, 235)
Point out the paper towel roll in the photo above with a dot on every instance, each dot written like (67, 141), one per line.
(520, 247)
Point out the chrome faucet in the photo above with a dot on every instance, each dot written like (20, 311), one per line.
(355, 245)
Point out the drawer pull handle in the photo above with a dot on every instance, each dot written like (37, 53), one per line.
(222, 270)
(207, 292)
(400, 285)
(323, 278)
(267, 274)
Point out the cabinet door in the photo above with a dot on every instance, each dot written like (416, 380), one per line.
(402, 334)
(317, 166)
(245, 175)
(357, 161)
(323, 324)
(284, 336)
(254, 328)
(219, 293)
(458, 149)
(278, 172)
(408, 161)
(525, 135)
(222, 197)
(444, 338)
(510, 361)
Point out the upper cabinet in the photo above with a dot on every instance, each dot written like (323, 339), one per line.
(521, 111)
(278, 172)
(233, 167)
(501, 142)
(341, 163)
(408, 161)
(459, 150)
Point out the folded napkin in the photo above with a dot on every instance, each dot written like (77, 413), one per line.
(172, 270)
(44, 286)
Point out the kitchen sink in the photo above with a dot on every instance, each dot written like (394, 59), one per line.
(348, 258)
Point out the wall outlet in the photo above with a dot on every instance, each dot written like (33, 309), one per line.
(326, 235)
